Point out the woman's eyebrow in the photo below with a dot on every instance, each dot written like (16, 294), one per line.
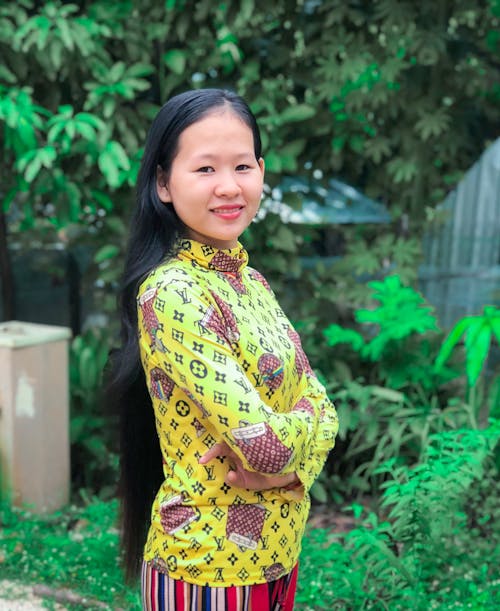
(214, 156)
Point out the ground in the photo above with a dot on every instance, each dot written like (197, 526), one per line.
(19, 597)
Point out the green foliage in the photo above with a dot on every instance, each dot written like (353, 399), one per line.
(479, 332)
(336, 88)
(94, 461)
(383, 253)
(395, 100)
(407, 394)
(400, 313)
(452, 462)
(400, 330)
(89, 353)
(436, 548)
(392, 54)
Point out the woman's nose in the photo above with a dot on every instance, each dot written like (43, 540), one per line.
(227, 186)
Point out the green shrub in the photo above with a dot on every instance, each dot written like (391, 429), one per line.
(401, 391)
(94, 459)
(434, 545)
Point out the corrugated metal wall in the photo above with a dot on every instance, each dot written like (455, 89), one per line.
(461, 269)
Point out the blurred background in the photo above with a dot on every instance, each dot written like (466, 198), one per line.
(379, 231)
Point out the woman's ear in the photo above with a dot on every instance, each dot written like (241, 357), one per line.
(262, 166)
(161, 186)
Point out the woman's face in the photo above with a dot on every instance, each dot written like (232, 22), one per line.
(215, 182)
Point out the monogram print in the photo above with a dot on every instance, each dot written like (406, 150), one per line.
(231, 266)
(175, 515)
(223, 364)
(271, 369)
(301, 362)
(221, 320)
(262, 447)
(151, 322)
(255, 275)
(304, 405)
(275, 571)
(244, 525)
(161, 385)
(232, 333)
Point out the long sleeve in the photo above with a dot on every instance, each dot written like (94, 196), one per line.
(223, 363)
(195, 350)
(322, 440)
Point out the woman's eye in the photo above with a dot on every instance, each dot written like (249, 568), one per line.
(242, 167)
(206, 169)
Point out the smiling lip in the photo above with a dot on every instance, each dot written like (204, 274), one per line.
(228, 212)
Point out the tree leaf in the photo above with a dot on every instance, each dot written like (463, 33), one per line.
(299, 112)
(273, 162)
(388, 394)
(495, 327)
(109, 251)
(319, 492)
(175, 59)
(32, 169)
(432, 124)
(65, 33)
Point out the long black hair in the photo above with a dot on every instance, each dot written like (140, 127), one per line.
(155, 230)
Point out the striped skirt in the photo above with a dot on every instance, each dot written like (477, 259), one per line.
(161, 593)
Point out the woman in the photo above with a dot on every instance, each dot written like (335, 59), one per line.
(214, 476)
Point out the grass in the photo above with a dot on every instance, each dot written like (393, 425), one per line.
(76, 548)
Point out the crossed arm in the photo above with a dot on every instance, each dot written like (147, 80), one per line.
(242, 478)
(192, 354)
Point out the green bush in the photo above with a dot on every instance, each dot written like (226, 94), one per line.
(338, 90)
(392, 389)
(93, 431)
(433, 544)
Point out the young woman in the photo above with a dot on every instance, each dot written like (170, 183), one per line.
(224, 424)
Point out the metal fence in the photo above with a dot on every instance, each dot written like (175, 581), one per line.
(461, 269)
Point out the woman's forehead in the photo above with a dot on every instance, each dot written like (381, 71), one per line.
(223, 129)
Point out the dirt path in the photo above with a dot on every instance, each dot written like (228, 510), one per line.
(17, 597)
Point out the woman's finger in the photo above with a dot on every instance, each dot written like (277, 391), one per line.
(219, 449)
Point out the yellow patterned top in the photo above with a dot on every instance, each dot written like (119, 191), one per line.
(223, 363)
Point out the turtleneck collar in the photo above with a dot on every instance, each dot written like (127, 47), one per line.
(228, 260)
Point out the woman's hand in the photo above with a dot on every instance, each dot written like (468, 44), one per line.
(241, 478)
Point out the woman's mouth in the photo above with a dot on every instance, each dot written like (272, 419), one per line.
(228, 212)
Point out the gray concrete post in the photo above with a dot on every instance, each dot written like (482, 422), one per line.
(34, 414)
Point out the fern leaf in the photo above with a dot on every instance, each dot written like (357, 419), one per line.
(401, 312)
(336, 334)
(388, 394)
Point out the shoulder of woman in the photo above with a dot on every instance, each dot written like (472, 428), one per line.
(256, 276)
(175, 279)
